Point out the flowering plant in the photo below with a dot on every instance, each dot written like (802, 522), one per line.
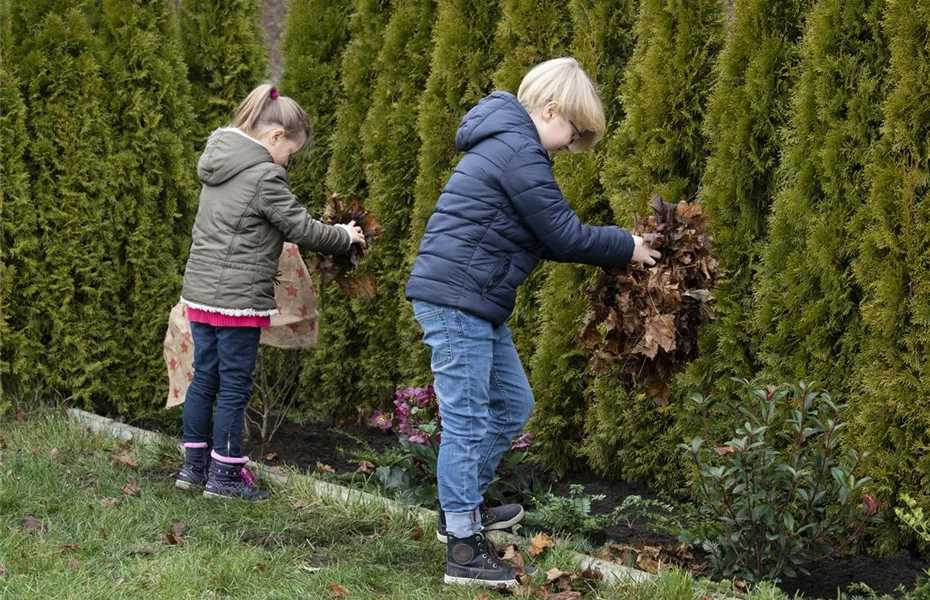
(417, 422)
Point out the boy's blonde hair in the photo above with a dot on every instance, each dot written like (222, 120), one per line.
(563, 81)
(264, 108)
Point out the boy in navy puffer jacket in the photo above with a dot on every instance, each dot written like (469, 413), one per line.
(500, 214)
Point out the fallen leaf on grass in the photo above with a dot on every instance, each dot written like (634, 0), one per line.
(124, 460)
(741, 585)
(365, 466)
(321, 468)
(481, 597)
(299, 504)
(417, 532)
(87, 481)
(111, 502)
(173, 537)
(32, 524)
(261, 567)
(337, 590)
(103, 532)
(53, 453)
(178, 527)
(540, 542)
(141, 550)
(513, 557)
(553, 574)
(564, 596)
(132, 489)
(69, 547)
(271, 456)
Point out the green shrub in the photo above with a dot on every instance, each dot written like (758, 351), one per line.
(224, 48)
(780, 490)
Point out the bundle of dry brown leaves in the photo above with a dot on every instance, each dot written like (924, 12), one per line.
(337, 268)
(646, 319)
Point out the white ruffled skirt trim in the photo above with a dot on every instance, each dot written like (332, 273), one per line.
(231, 312)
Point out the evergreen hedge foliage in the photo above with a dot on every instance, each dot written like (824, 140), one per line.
(155, 191)
(807, 298)
(602, 42)
(314, 40)
(390, 143)
(224, 48)
(65, 303)
(332, 373)
(891, 409)
(746, 115)
(17, 222)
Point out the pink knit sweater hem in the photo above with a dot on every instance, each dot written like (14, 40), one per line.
(220, 320)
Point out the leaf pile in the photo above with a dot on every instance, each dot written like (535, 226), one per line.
(337, 268)
(646, 319)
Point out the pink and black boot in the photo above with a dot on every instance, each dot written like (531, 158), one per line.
(194, 472)
(230, 478)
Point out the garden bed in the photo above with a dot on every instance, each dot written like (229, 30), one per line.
(305, 445)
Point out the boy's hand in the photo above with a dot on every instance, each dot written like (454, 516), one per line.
(642, 253)
(356, 233)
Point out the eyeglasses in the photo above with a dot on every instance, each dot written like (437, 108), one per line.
(575, 136)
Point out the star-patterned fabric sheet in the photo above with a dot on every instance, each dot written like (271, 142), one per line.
(293, 327)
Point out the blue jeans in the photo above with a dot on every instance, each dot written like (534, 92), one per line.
(484, 401)
(224, 358)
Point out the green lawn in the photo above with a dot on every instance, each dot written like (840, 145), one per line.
(84, 544)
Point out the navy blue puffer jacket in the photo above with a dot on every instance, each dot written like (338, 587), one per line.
(499, 214)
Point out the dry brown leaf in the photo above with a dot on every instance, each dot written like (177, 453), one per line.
(540, 542)
(111, 502)
(271, 456)
(178, 527)
(141, 550)
(32, 525)
(53, 453)
(69, 547)
(417, 532)
(321, 468)
(169, 539)
(564, 596)
(299, 504)
(365, 466)
(261, 567)
(553, 574)
(132, 489)
(724, 450)
(336, 590)
(103, 532)
(481, 597)
(124, 460)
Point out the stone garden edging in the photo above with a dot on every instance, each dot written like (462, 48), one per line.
(611, 572)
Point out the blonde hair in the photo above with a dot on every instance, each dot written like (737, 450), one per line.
(563, 81)
(264, 108)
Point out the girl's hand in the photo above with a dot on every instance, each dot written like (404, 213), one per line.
(642, 253)
(356, 233)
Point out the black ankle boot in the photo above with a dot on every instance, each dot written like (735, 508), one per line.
(471, 561)
(194, 472)
(232, 480)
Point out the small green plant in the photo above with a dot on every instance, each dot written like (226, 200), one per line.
(780, 491)
(569, 514)
(914, 517)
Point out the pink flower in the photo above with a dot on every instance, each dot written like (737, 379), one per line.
(381, 420)
(522, 442)
(417, 438)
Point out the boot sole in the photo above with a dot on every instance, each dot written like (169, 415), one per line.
(207, 494)
(496, 526)
(184, 485)
(508, 583)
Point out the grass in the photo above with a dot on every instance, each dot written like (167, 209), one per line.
(297, 545)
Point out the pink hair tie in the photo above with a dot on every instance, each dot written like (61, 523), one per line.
(274, 94)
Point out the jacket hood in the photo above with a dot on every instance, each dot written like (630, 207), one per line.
(228, 153)
(497, 113)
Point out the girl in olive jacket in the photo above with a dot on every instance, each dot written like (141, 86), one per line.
(246, 213)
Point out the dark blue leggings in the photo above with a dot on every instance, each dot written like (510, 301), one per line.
(224, 358)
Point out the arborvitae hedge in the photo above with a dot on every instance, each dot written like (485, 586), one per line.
(461, 65)
(891, 411)
(155, 189)
(746, 115)
(659, 147)
(602, 41)
(528, 33)
(224, 48)
(333, 370)
(17, 224)
(390, 142)
(73, 185)
(314, 39)
(806, 294)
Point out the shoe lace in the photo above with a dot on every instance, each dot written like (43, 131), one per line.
(489, 552)
(248, 477)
